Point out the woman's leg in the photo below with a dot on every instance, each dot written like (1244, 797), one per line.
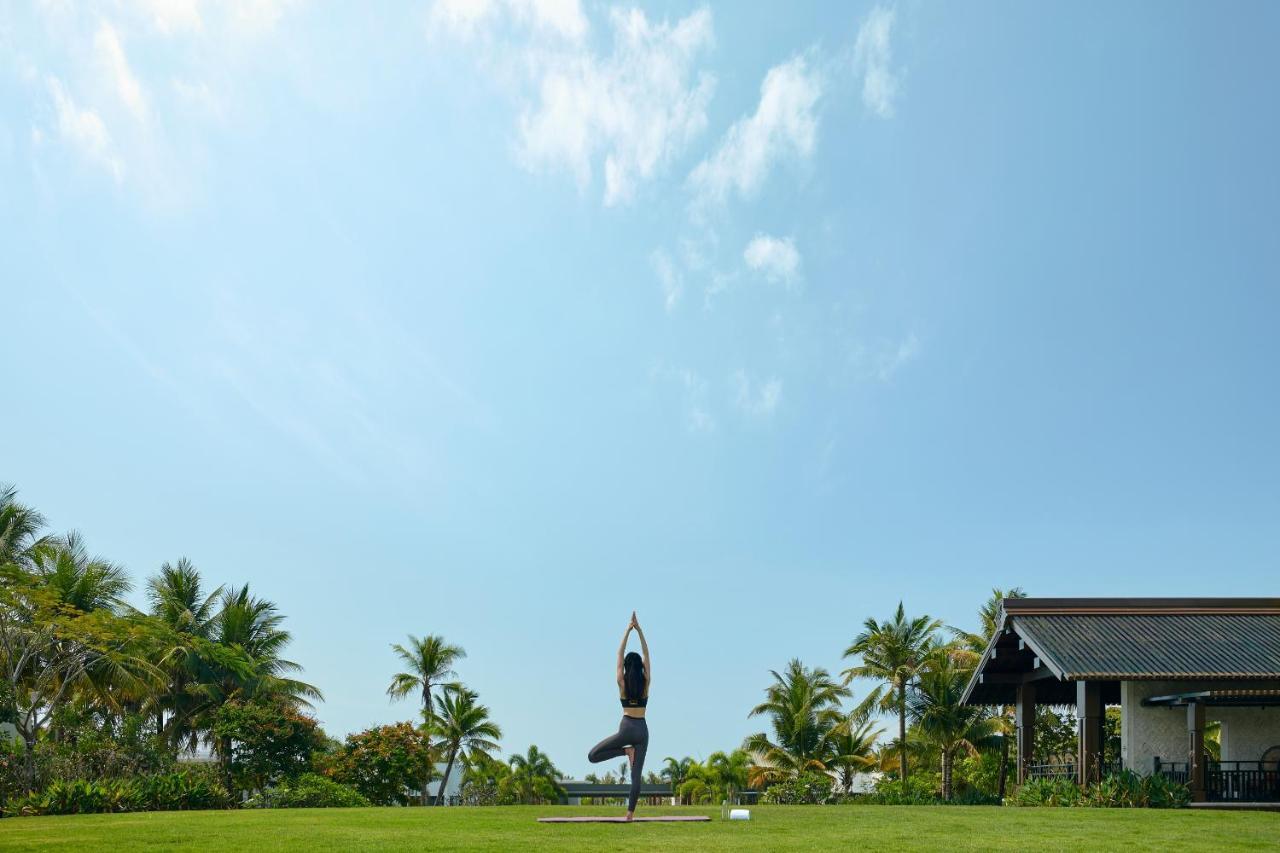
(610, 747)
(638, 735)
(637, 774)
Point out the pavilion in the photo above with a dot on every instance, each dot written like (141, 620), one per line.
(1171, 664)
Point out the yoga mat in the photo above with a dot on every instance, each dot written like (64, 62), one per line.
(605, 819)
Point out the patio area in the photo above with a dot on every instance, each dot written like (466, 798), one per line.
(1172, 666)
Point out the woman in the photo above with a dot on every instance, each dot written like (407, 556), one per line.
(632, 739)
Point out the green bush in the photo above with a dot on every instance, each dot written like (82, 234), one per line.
(1122, 790)
(179, 790)
(308, 791)
(805, 789)
(182, 790)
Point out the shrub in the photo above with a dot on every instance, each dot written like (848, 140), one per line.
(308, 791)
(179, 790)
(805, 789)
(1122, 790)
(187, 789)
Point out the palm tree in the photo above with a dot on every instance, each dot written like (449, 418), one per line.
(803, 708)
(19, 526)
(79, 581)
(730, 771)
(179, 602)
(676, 771)
(893, 652)
(534, 777)
(428, 662)
(464, 725)
(941, 719)
(976, 643)
(250, 629)
(854, 746)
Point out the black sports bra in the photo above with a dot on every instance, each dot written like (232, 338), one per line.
(634, 703)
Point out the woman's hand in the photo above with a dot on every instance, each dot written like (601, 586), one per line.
(635, 623)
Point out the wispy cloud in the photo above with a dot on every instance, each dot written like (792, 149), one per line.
(872, 55)
(83, 129)
(890, 360)
(670, 277)
(625, 114)
(784, 124)
(776, 259)
(115, 65)
(757, 399)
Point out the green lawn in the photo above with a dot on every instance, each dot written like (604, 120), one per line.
(770, 828)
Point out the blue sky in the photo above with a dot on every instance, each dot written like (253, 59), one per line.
(500, 320)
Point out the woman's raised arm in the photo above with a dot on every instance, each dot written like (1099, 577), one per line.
(622, 649)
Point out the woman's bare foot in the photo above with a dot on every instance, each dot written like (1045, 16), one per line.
(631, 755)
(631, 815)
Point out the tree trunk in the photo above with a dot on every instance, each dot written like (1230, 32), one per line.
(448, 767)
(946, 775)
(902, 732)
(426, 716)
(1004, 763)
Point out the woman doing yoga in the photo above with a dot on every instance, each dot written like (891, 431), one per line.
(632, 739)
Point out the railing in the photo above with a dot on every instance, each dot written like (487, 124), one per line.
(1066, 770)
(1229, 781)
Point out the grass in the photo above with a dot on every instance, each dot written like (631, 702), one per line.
(770, 828)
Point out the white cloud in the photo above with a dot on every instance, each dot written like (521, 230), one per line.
(169, 17)
(697, 417)
(872, 54)
(467, 19)
(756, 399)
(110, 57)
(637, 107)
(671, 279)
(784, 124)
(894, 359)
(624, 114)
(83, 129)
(776, 259)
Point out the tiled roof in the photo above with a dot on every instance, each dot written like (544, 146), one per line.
(1165, 646)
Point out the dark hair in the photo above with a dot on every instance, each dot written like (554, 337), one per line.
(633, 676)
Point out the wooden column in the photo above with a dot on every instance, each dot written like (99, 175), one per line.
(1088, 732)
(1195, 760)
(1024, 716)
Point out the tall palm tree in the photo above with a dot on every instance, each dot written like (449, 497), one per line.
(941, 719)
(464, 726)
(251, 627)
(534, 777)
(803, 706)
(893, 652)
(428, 661)
(179, 602)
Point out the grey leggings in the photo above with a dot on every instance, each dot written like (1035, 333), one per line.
(633, 732)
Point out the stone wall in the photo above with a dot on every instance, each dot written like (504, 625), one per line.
(1148, 733)
(1247, 732)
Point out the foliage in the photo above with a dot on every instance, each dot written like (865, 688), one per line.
(464, 727)
(803, 707)
(803, 789)
(1122, 790)
(893, 652)
(266, 740)
(428, 661)
(384, 763)
(942, 720)
(533, 779)
(308, 791)
(176, 791)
